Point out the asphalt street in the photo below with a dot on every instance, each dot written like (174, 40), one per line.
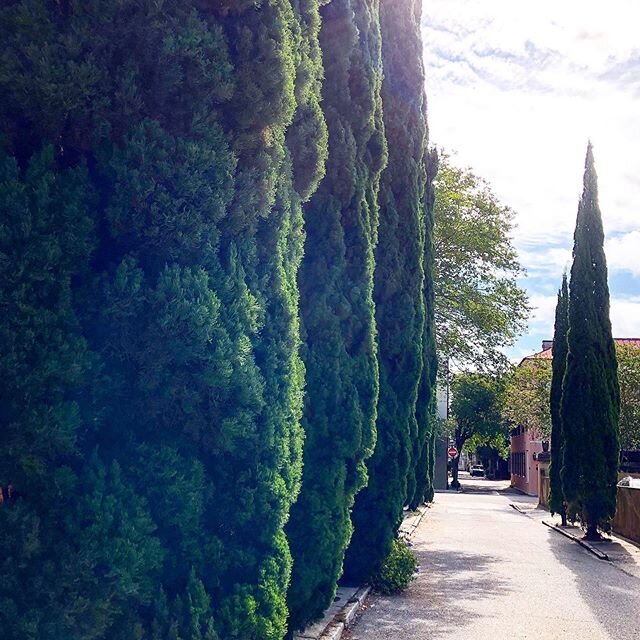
(489, 572)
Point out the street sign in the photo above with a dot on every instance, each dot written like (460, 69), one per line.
(453, 452)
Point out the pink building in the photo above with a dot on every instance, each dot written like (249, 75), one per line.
(526, 444)
(525, 447)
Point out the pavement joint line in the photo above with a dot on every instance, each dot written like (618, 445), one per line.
(347, 614)
(582, 543)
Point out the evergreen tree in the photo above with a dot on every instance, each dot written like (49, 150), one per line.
(420, 484)
(399, 294)
(336, 286)
(152, 176)
(556, 497)
(590, 393)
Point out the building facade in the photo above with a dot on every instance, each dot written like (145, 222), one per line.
(527, 445)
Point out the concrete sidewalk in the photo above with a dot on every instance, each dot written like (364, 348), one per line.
(622, 553)
(488, 572)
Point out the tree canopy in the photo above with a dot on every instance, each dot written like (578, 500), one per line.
(190, 288)
(476, 409)
(153, 162)
(629, 379)
(526, 394)
(479, 306)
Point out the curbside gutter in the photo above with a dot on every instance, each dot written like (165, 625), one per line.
(580, 541)
(333, 626)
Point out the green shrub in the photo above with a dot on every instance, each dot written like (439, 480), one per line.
(397, 571)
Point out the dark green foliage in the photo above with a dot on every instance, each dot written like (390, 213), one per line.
(336, 285)
(556, 497)
(397, 571)
(150, 238)
(590, 392)
(399, 295)
(420, 479)
(71, 520)
(307, 136)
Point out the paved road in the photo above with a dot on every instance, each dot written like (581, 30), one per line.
(491, 573)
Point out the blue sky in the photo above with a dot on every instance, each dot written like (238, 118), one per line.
(515, 90)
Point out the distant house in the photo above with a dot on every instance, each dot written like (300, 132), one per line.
(526, 444)
(527, 448)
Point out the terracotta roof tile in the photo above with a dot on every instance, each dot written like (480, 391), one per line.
(546, 354)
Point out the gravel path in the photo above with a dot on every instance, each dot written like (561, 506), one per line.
(491, 573)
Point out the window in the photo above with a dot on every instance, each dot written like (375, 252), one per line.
(518, 464)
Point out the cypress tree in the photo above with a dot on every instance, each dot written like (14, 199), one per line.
(556, 497)
(336, 284)
(420, 483)
(590, 393)
(152, 179)
(399, 293)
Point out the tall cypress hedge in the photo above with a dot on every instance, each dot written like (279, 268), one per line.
(420, 479)
(590, 392)
(336, 284)
(154, 157)
(399, 292)
(559, 363)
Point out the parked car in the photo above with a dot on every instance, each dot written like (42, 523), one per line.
(477, 470)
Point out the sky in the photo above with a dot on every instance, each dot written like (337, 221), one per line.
(515, 90)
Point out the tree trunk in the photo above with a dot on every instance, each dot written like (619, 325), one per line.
(455, 484)
(563, 514)
(592, 532)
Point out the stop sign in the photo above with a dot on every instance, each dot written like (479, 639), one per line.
(453, 452)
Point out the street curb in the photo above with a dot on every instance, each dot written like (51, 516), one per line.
(345, 617)
(582, 543)
(347, 614)
(519, 510)
(410, 529)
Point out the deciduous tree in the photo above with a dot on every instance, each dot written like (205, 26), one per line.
(478, 304)
(629, 379)
(526, 394)
(476, 409)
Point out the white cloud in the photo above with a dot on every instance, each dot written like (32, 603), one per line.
(623, 253)
(544, 309)
(546, 261)
(517, 89)
(625, 317)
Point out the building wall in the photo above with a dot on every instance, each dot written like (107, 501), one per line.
(440, 476)
(525, 445)
(442, 400)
